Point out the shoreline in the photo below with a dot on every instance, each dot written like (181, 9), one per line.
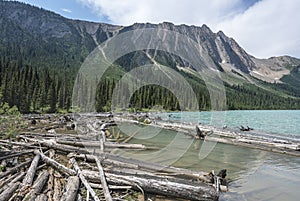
(261, 141)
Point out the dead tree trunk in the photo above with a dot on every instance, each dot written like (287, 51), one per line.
(103, 181)
(154, 184)
(71, 189)
(61, 168)
(37, 187)
(28, 179)
(83, 180)
(8, 193)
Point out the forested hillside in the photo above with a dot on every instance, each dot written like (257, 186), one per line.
(41, 53)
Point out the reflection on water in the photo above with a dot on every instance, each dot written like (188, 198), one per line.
(253, 174)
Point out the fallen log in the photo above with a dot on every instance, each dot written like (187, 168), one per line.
(59, 167)
(57, 189)
(9, 191)
(189, 190)
(28, 179)
(14, 169)
(16, 154)
(112, 187)
(41, 197)
(106, 144)
(103, 181)
(71, 189)
(37, 187)
(111, 159)
(83, 180)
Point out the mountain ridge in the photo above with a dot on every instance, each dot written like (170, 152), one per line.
(42, 39)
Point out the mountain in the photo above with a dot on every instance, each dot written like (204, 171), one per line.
(42, 52)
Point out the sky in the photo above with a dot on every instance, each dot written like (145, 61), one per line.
(264, 28)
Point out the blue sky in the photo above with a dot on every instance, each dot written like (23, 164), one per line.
(73, 9)
(264, 28)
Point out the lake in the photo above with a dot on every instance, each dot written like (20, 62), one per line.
(282, 122)
(253, 174)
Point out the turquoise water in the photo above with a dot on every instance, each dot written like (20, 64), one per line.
(253, 174)
(282, 122)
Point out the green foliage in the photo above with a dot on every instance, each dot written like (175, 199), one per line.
(10, 120)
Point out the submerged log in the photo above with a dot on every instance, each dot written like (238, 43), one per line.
(71, 189)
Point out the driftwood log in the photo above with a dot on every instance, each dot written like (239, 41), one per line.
(71, 189)
(37, 187)
(190, 190)
(83, 180)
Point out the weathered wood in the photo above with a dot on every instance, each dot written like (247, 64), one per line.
(71, 189)
(8, 192)
(28, 179)
(9, 179)
(37, 186)
(106, 144)
(103, 181)
(187, 190)
(57, 189)
(111, 159)
(16, 154)
(59, 167)
(83, 180)
(112, 187)
(41, 197)
(14, 169)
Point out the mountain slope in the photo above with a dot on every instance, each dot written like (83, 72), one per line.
(41, 53)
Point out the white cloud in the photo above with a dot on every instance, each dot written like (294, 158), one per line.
(268, 28)
(66, 10)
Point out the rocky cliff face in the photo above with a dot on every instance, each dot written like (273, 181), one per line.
(21, 22)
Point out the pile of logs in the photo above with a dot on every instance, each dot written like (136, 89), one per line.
(52, 166)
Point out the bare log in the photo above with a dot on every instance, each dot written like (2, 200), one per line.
(7, 180)
(57, 189)
(83, 180)
(103, 181)
(8, 192)
(14, 169)
(187, 190)
(41, 197)
(71, 189)
(61, 168)
(16, 154)
(28, 179)
(37, 187)
(112, 187)
(115, 160)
